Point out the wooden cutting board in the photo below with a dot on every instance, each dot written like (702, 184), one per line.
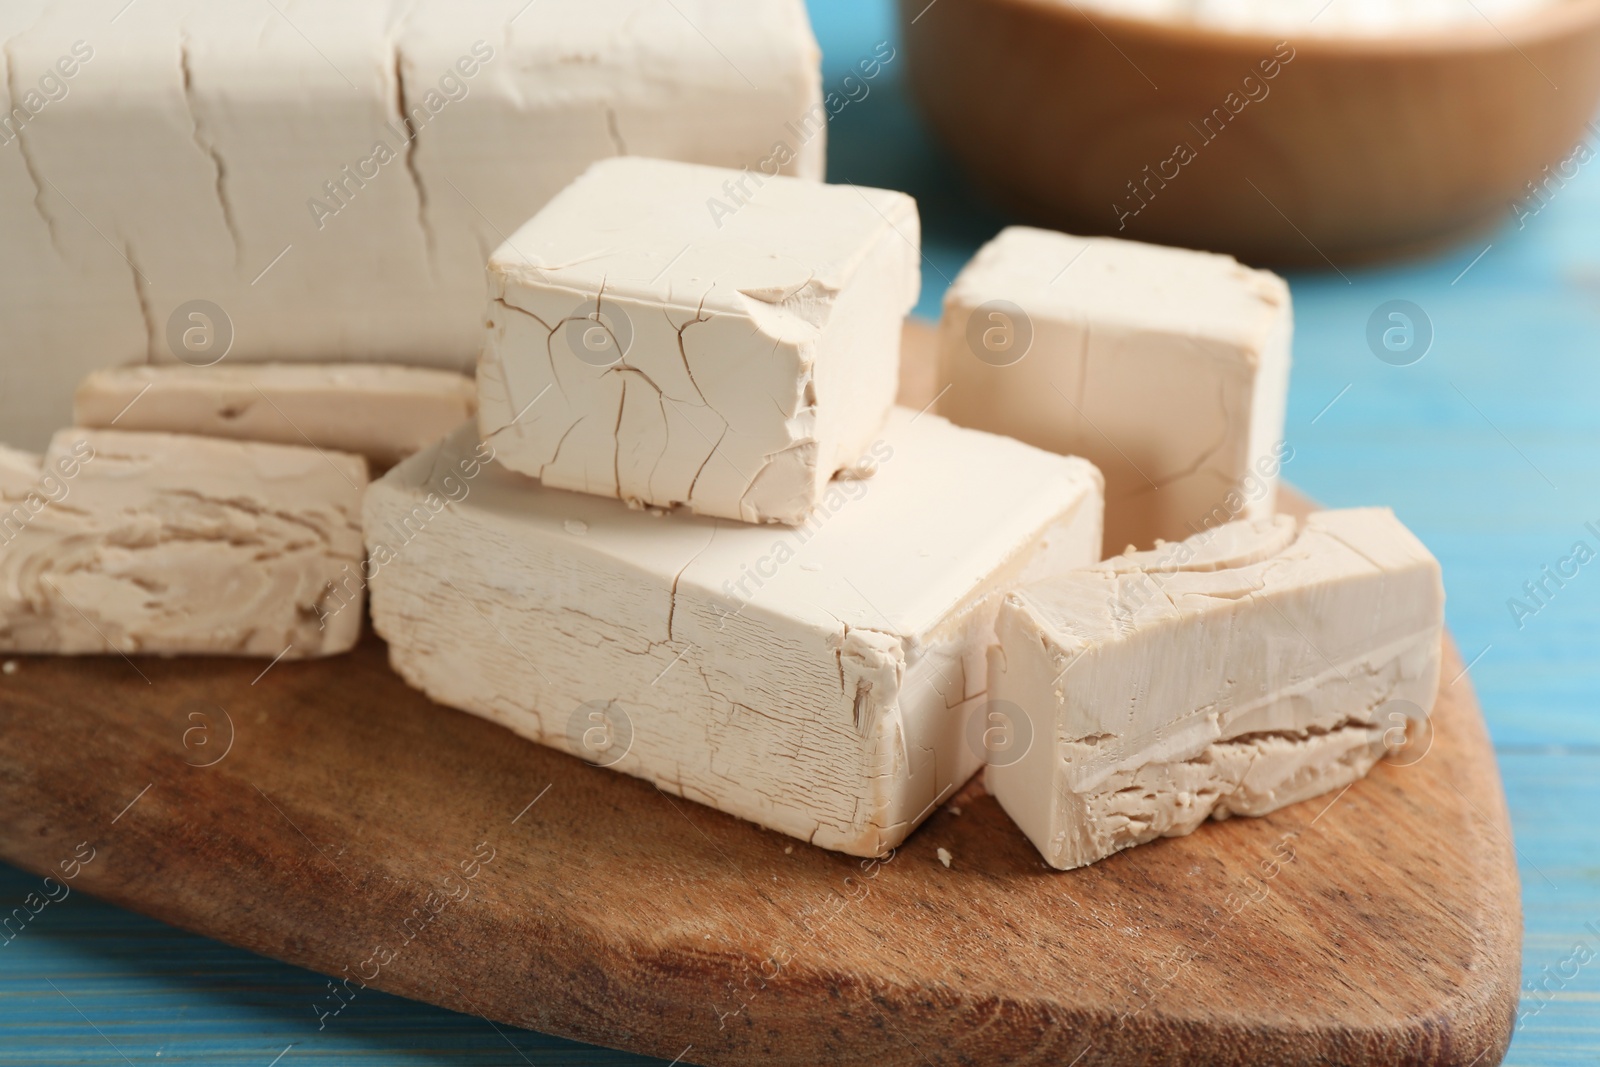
(324, 814)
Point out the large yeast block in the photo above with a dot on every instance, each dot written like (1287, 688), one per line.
(1248, 668)
(1169, 369)
(324, 181)
(382, 411)
(814, 680)
(675, 334)
(171, 545)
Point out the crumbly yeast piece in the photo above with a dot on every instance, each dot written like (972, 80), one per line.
(166, 544)
(1250, 667)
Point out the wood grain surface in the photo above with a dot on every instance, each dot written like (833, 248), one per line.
(324, 814)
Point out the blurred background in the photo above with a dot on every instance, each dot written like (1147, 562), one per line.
(1487, 444)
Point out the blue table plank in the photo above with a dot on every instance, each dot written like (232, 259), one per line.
(88, 983)
(1488, 447)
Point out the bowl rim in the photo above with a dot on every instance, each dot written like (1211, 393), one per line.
(1559, 18)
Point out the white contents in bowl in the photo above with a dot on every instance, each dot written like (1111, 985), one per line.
(1323, 17)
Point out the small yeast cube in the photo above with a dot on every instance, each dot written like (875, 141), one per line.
(671, 334)
(165, 544)
(1169, 369)
(1252, 666)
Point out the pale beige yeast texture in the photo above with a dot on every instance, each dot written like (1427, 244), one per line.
(261, 159)
(382, 411)
(1169, 369)
(19, 471)
(747, 338)
(1256, 665)
(815, 680)
(173, 545)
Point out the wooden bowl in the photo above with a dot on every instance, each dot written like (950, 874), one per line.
(1323, 150)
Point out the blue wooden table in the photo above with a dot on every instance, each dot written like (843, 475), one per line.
(1489, 447)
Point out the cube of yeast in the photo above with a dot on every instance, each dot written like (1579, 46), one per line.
(1247, 668)
(809, 679)
(326, 180)
(674, 334)
(172, 545)
(1169, 369)
(382, 411)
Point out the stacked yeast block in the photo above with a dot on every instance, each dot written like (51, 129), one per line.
(171, 544)
(708, 551)
(332, 176)
(671, 334)
(382, 411)
(813, 679)
(1253, 666)
(209, 510)
(1167, 368)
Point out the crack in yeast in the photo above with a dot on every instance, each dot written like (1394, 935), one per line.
(613, 132)
(28, 162)
(208, 146)
(143, 298)
(402, 105)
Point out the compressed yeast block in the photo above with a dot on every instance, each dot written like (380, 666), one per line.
(165, 544)
(1258, 664)
(1169, 369)
(382, 411)
(812, 679)
(325, 181)
(673, 334)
